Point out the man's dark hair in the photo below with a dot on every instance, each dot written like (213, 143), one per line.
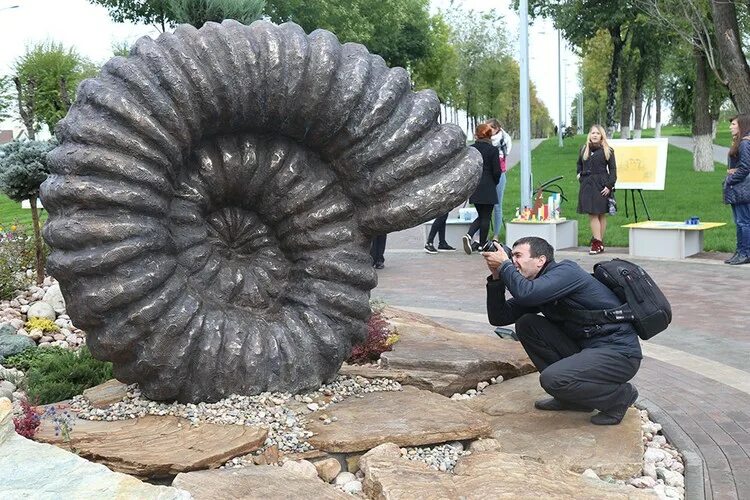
(537, 247)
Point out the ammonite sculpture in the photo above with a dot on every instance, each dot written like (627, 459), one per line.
(213, 196)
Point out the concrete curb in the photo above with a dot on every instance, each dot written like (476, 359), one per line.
(695, 478)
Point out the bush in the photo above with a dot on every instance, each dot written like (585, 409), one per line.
(28, 423)
(16, 256)
(54, 374)
(43, 324)
(379, 340)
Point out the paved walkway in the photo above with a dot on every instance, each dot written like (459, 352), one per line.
(720, 152)
(695, 377)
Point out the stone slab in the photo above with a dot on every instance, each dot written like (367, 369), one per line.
(483, 475)
(41, 471)
(433, 357)
(255, 482)
(411, 417)
(565, 438)
(106, 394)
(155, 446)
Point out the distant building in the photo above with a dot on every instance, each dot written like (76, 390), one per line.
(6, 136)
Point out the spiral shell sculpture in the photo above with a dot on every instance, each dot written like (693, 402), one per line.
(213, 196)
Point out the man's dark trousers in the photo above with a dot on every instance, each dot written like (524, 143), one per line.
(594, 378)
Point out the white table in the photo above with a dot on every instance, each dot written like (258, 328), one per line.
(672, 240)
(561, 233)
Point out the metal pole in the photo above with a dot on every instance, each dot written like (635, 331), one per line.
(525, 106)
(559, 92)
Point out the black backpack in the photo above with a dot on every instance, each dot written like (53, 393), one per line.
(644, 304)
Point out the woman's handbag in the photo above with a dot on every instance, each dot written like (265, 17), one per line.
(611, 203)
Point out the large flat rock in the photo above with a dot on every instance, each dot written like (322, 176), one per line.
(439, 359)
(411, 417)
(483, 475)
(106, 394)
(565, 438)
(42, 471)
(155, 446)
(261, 482)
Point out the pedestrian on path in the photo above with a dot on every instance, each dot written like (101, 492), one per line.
(484, 197)
(597, 173)
(438, 229)
(737, 186)
(377, 251)
(582, 367)
(503, 142)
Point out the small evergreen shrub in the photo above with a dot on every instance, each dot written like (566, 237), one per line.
(54, 374)
(43, 324)
(16, 256)
(379, 339)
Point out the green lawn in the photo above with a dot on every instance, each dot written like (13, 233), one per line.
(12, 213)
(686, 193)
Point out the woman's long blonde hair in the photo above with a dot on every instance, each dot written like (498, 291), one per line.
(603, 142)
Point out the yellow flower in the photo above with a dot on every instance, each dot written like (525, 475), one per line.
(13, 227)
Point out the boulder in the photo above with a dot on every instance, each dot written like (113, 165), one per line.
(328, 469)
(302, 468)
(7, 329)
(255, 482)
(106, 394)
(439, 359)
(564, 438)
(7, 389)
(41, 309)
(13, 344)
(411, 417)
(53, 296)
(36, 470)
(483, 475)
(154, 446)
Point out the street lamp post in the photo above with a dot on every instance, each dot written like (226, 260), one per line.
(559, 91)
(525, 110)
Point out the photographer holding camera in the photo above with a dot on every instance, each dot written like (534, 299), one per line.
(582, 367)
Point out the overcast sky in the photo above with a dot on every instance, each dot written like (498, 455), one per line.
(89, 29)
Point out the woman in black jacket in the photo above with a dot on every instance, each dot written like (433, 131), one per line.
(737, 186)
(485, 195)
(597, 173)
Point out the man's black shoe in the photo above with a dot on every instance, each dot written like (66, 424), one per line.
(730, 259)
(444, 247)
(379, 265)
(739, 260)
(614, 416)
(554, 404)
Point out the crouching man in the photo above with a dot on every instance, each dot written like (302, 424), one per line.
(583, 368)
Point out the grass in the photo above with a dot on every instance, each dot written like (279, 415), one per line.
(12, 213)
(686, 193)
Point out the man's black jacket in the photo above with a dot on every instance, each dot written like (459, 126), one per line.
(560, 284)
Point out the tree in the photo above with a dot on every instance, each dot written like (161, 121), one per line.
(199, 12)
(165, 14)
(6, 97)
(23, 168)
(579, 20)
(397, 30)
(733, 61)
(47, 76)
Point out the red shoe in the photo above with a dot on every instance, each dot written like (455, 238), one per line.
(596, 247)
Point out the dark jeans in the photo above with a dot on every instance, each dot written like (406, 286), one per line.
(438, 228)
(377, 249)
(741, 212)
(482, 222)
(595, 378)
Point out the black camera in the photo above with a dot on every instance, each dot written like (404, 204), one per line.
(489, 246)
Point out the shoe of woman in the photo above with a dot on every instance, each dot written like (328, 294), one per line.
(739, 260)
(466, 240)
(730, 259)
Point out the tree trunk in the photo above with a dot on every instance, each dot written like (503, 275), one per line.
(614, 71)
(38, 243)
(733, 62)
(638, 119)
(626, 93)
(657, 99)
(703, 153)
(26, 105)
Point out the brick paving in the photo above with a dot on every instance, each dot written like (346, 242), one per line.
(701, 408)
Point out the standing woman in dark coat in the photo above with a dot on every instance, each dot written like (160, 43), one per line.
(485, 195)
(597, 173)
(737, 186)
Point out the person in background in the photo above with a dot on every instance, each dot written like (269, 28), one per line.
(597, 174)
(484, 197)
(737, 186)
(438, 228)
(377, 251)
(502, 141)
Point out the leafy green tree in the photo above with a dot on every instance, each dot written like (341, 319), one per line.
(397, 30)
(23, 168)
(166, 13)
(6, 97)
(199, 12)
(46, 78)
